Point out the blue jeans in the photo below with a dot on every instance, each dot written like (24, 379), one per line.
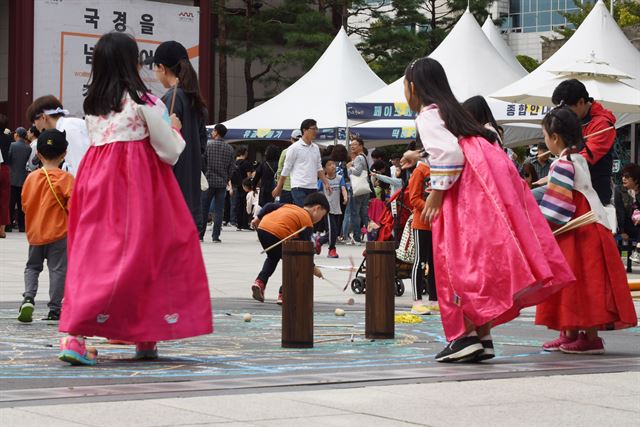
(285, 197)
(359, 215)
(346, 216)
(213, 197)
(538, 192)
(299, 194)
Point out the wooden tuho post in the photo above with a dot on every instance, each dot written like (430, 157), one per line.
(380, 295)
(297, 294)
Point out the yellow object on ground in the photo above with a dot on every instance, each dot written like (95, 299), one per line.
(634, 285)
(407, 318)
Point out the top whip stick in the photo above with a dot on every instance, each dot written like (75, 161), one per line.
(173, 96)
(282, 241)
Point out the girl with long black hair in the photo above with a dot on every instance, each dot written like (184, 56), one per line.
(135, 269)
(174, 70)
(493, 252)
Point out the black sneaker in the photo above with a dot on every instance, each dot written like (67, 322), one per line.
(53, 315)
(217, 241)
(26, 310)
(460, 349)
(487, 350)
(487, 353)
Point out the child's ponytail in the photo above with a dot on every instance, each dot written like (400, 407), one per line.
(189, 84)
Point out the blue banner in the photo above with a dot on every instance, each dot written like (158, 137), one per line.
(324, 134)
(378, 111)
(402, 134)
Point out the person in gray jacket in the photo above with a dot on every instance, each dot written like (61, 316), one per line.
(19, 153)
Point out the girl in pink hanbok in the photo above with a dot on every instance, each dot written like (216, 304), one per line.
(493, 251)
(135, 270)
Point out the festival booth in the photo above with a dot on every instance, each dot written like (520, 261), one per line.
(474, 66)
(600, 56)
(495, 37)
(338, 76)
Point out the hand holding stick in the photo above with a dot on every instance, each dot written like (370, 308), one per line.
(173, 96)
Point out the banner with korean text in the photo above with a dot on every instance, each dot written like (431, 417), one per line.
(66, 32)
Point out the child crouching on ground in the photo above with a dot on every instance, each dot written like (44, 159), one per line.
(45, 196)
(275, 222)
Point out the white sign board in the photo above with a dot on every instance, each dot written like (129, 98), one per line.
(67, 30)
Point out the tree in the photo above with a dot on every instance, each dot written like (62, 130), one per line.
(273, 39)
(527, 62)
(625, 13)
(410, 29)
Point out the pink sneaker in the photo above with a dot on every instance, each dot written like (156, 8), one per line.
(73, 351)
(555, 344)
(583, 345)
(257, 290)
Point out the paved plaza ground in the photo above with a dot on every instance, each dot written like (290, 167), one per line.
(240, 375)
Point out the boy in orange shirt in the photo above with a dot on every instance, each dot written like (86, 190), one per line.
(419, 184)
(277, 221)
(45, 199)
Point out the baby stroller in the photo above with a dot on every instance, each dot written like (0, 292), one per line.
(391, 221)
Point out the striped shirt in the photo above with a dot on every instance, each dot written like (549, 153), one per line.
(557, 203)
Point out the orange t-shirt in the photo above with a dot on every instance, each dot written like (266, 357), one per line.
(416, 189)
(46, 221)
(285, 220)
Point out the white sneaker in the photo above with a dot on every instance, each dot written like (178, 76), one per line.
(635, 257)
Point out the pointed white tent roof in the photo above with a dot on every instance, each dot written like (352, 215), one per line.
(599, 36)
(473, 65)
(494, 36)
(339, 75)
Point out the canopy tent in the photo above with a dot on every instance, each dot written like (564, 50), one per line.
(339, 75)
(598, 54)
(493, 34)
(473, 66)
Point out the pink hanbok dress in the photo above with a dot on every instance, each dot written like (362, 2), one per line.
(494, 252)
(135, 268)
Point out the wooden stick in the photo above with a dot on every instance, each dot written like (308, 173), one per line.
(599, 132)
(582, 220)
(282, 241)
(173, 96)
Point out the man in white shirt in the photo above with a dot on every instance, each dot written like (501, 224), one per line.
(47, 112)
(303, 165)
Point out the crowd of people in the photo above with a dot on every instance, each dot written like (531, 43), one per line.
(82, 190)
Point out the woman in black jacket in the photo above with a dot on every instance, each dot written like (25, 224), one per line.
(627, 201)
(266, 175)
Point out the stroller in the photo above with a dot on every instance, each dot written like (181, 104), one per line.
(391, 219)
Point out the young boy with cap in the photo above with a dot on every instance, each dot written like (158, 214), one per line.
(277, 221)
(45, 199)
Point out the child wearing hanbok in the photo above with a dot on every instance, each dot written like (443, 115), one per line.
(600, 299)
(135, 268)
(493, 251)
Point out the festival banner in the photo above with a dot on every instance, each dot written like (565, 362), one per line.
(66, 32)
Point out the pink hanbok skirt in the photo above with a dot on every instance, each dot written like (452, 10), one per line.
(494, 252)
(135, 268)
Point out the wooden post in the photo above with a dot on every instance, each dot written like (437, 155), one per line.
(297, 294)
(380, 295)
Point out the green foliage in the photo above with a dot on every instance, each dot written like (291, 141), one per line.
(276, 41)
(625, 13)
(413, 29)
(527, 62)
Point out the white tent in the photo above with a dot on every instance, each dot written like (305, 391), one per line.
(494, 36)
(473, 66)
(339, 75)
(599, 36)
